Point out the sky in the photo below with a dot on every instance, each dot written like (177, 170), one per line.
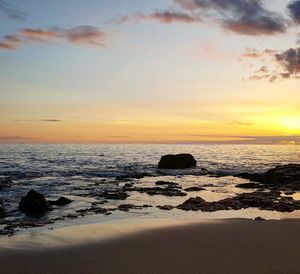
(139, 71)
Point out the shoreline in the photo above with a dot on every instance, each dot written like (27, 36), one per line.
(158, 246)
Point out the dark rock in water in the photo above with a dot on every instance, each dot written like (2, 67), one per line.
(2, 211)
(178, 161)
(165, 207)
(259, 219)
(127, 207)
(167, 191)
(115, 195)
(34, 202)
(194, 188)
(258, 199)
(128, 185)
(280, 175)
(287, 174)
(168, 184)
(132, 176)
(60, 201)
(255, 177)
(5, 182)
(250, 186)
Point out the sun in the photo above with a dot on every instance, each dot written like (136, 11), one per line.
(291, 123)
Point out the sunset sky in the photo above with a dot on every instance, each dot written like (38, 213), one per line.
(140, 71)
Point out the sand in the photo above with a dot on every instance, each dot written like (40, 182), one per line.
(227, 246)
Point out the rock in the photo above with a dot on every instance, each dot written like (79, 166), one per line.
(255, 177)
(178, 161)
(132, 176)
(115, 194)
(167, 191)
(168, 184)
(286, 174)
(280, 175)
(34, 202)
(249, 185)
(258, 199)
(5, 182)
(194, 188)
(2, 211)
(291, 192)
(165, 207)
(60, 201)
(127, 207)
(128, 185)
(259, 219)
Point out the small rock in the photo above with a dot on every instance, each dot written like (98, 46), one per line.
(127, 207)
(249, 185)
(165, 207)
(259, 219)
(194, 188)
(34, 202)
(115, 195)
(168, 184)
(60, 201)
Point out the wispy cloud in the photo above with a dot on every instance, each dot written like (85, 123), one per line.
(17, 139)
(249, 139)
(10, 42)
(40, 120)
(164, 17)
(248, 17)
(11, 11)
(81, 35)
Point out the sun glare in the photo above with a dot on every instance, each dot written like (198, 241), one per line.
(291, 123)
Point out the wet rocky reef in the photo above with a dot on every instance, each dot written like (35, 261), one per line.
(271, 191)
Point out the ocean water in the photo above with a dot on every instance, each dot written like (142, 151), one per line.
(83, 172)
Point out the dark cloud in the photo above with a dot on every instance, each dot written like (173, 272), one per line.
(248, 17)
(279, 65)
(82, 35)
(11, 11)
(294, 9)
(164, 17)
(290, 62)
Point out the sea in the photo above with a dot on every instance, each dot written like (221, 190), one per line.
(83, 173)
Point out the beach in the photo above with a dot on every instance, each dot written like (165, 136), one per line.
(157, 246)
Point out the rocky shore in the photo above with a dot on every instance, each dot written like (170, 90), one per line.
(270, 191)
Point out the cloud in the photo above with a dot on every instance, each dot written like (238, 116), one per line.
(11, 11)
(294, 9)
(276, 65)
(255, 54)
(286, 140)
(248, 17)
(164, 17)
(81, 35)
(16, 139)
(241, 123)
(40, 120)
(10, 42)
(289, 60)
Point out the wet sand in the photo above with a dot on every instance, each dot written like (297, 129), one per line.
(227, 246)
